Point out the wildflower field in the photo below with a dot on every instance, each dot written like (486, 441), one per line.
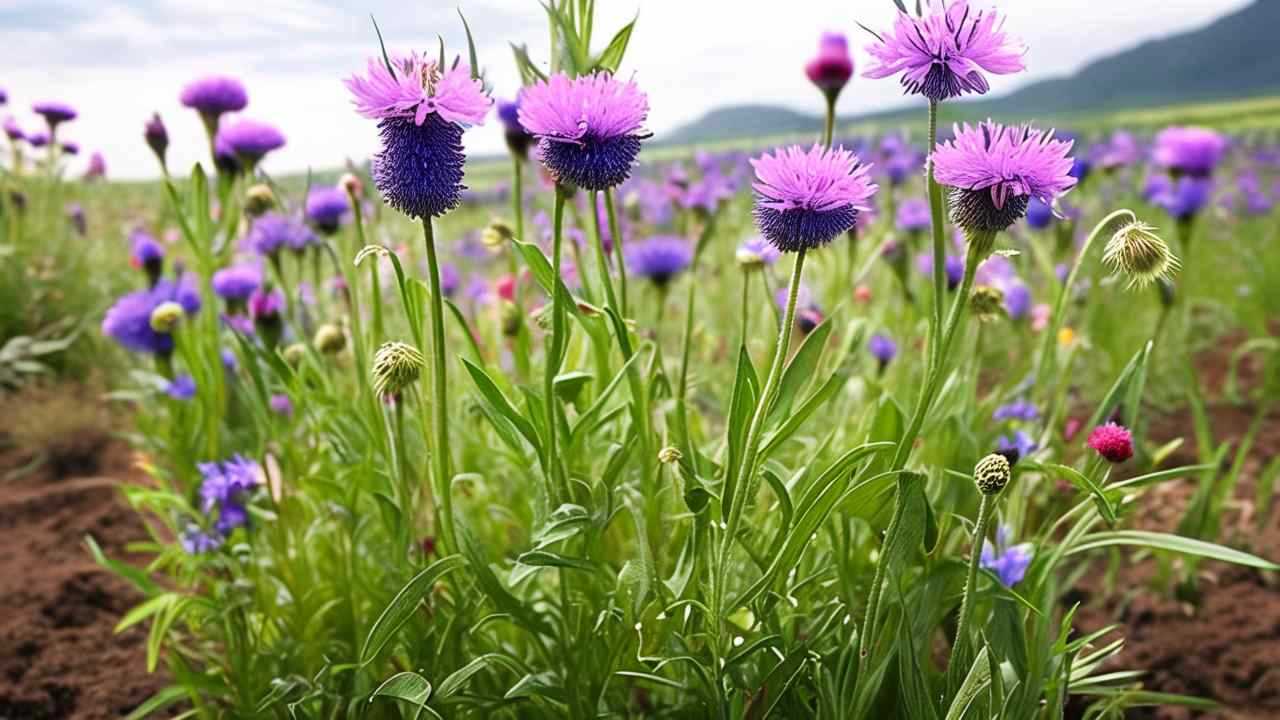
(914, 419)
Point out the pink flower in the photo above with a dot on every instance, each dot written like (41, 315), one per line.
(833, 66)
(1112, 441)
(417, 89)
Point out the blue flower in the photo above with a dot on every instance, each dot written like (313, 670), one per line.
(182, 387)
(1009, 563)
(1019, 446)
(195, 541)
(1017, 410)
(225, 489)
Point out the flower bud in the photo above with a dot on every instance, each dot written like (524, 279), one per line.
(496, 234)
(258, 199)
(330, 339)
(396, 366)
(1136, 251)
(157, 137)
(294, 353)
(351, 184)
(987, 302)
(991, 474)
(166, 317)
(509, 317)
(1112, 441)
(669, 455)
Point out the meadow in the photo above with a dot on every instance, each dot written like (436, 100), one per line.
(829, 426)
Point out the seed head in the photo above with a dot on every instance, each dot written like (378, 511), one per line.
(330, 339)
(1138, 252)
(258, 200)
(496, 234)
(294, 353)
(987, 302)
(166, 317)
(396, 366)
(991, 474)
(668, 455)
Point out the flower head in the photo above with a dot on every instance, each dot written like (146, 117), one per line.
(945, 53)
(38, 139)
(326, 206)
(756, 252)
(912, 215)
(589, 128)
(1008, 562)
(831, 69)
(265, 303)
(250, 140)
(54, 113)
(157, 136)
(214, 95)
(182, 387)
(1016, 447)
(414, 87)
(396, 366)
(1138, 252)
(1112, 441)
(991, 474)
(805, 199)
(1185, 197)
(518, 139)
(237, 283)
(995, 170)
(1039, 214)
(883, 349)
(659, 258)
(128, 321)
(225, 489)
(196, 541)
(1023, 410)
(281, 405)
(274, 231)
(13, 130)
(1189, 150)
(1121, 150)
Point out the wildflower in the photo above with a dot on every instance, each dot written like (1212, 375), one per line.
(274, 231)
(166, 316)
(225, 159)
(659, 258)
(862, 294)
(831, 69)
(588, 128)
(1189, 151)
(1008, 562)
(326, 207)
(1017, 300)
(329, 339)
(995, 170)
(1138, 252)
(250, 140)
(912, 216)
(293, 354)
(669, 455)
(54, 113)
(196, 541)
(225, 488)
(1185, 197)
(805, 199)
(1015, 448)
(147, 254)
(13, 130)
(756, 252)
(952, 267)
(1017, 410)
(70, 148)
(236, 283)
(128, 321)
(351, 184)
(1121, 150)
(38, 139)
(1039, 214)
(991, 474)
(945, 53)
(987, 302)
(182, 387)
(214, 95)
(1112, 441)
(281, 405)
(75, 215)
(396, 366)
(265, 307)
(497, 234)
(1066, 336)
(883, 349)
(422, 110)
(97, 167)
(518, 139)
(157, 137)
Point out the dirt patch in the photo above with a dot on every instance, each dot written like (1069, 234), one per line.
(59, 655)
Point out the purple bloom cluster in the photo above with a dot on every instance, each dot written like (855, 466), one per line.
(1008, 562)
(214, 95)
(1189, 150)
(182, 387)
(237, 282)
(805, 199)
(326, 206)
(912, 215)
(883, 349)
(128, 321)
(225, 490)
(54, 113)
(659, 258)
(1023, 410)
(275, 231)
(833, 66)
(250, 140)
(1017, 446)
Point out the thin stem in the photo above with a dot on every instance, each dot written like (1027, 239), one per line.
(617, 251)
(829, 126)
(559, 488)
(682, 413)
(440, 403)
(746, 304)
(517, 195)
(602, 261)
(936, 223)
(970, 584)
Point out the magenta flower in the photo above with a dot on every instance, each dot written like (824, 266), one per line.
(418, 89)
(805, 199)
(1111, 441)
(157, 136)
(995, 170)
(1189, 150)
(54, 113)
(833, 66)
(250, 140)
(214, 95)
(588, 128)
(945, 53)
(13, 129)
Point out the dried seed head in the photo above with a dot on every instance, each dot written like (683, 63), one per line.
(991, 474)
(1139, 253)
(987, 303)
(396, 366)
(294, 353)
(166, 317)
(258, 199)
(496, 234)
(330, 339)
(669, 455)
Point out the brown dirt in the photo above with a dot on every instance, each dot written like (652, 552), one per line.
(59, 655)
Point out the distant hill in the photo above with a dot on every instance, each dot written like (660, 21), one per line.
(1236, 56)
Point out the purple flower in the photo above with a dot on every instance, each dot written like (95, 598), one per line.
(214, 95)
(281, 405)
(146, 254)
(196, 541)
(707, 193)
(182, 387)
(157, 136)
(1017, 410)
(422, 112)
(449, 279)
(805, 199)
(274, 231)
(1120, 151)
(75, 215)
(756, 251)
(1008, 562)
(944, 54)
(659, 258)
(518, 139)
(1017, 447)
(589, 128)
(97, 167)
(833, 66)
(1189, 150)
(128, 321)
(1185, 197)
(913, 215)
(265, 304)
(995, 170)
(225, 489)
(882, 348)
(326, 207)
(237, 282)
(13, 130)
(229, 361)
(70, 147)
(54, 113)
(952, 266)
(1017, 300)
(38, 139)
(1080, 169)
(224, 157)
(1039, 214)
(250, 140)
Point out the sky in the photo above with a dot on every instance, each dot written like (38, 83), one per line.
(118, 61)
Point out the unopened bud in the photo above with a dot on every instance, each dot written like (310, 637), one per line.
(496, 234)
(166, 317)
(1137, 252)
(668, 455)
(396, 366)
(294, 353)
(510, 318)
(330, 339)
(258, 199)
(987, 302)
(351, 184)
(991, 474)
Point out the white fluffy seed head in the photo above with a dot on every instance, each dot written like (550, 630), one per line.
(1137, 252)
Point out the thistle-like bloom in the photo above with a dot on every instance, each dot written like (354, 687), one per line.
(1121, 150)
(69, 147)
(806, 199)
(883, 349)
(214, 95)
(589, 128)
(518, 139)
(274, 231)
(1185, 197)
(1008, 562)
(38, 139)
(1111, 441)
(326, 206)
(236, 283)
(1017, 299)
(1023, 410)
(128, 321)
(265, 304)
(756, 252)
(396, 366)
(912, 215)
(659, 258)
(995, 170)
(226, 488)
(250, 140)
(54, 113)
(945, 53)
(157, 136)
(146, 254)
(13, 130)
(1015, 448)
(281, 405)
(422, 111)
(831, 69)
(1139, 253)
(1189, 150)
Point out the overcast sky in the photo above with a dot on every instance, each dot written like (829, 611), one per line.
(119, 60)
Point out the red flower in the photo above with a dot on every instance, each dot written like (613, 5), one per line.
(1112, 441)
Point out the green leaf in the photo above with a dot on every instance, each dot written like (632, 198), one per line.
(386, 59)
(454, 683)
(611, 58)
(1081, 481)
(507, 416)
(801, 369)
(811, 404)
(408, 686)
(1137, 364)
(974, 684)
(162, 699)
(404, 604)
(529, 73)
(1173, 543)
(746, 390)
(471, 48)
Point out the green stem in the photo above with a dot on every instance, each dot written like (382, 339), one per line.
(440, 403)
(746, 304)
(559, 486)
(617, 251)
(602, 262)
(936, 225)
(517, 195)
(829, 126)
(682, 413)
(970, 585)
